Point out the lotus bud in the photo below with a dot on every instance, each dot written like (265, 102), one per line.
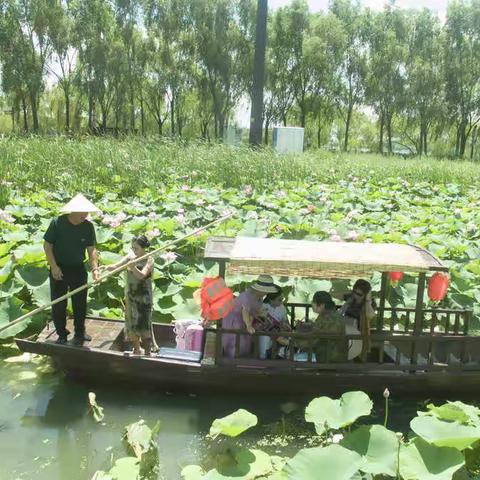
(386, 393)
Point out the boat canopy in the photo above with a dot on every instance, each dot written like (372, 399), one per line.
(318, 259)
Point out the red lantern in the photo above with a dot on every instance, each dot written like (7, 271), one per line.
(437, 287)
(395, 277)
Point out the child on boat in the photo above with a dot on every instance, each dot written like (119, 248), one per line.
(273, 318)
(138, 296)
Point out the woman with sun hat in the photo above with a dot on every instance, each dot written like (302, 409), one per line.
(66, 240)
(248, 305)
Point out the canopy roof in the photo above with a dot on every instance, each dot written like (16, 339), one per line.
(315, 259)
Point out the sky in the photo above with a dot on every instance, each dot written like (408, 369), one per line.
(438, 6)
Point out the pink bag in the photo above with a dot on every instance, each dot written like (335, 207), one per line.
(194, 338)
(180, 330)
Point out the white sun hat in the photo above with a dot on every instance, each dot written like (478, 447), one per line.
(264, 284)
(79, 204)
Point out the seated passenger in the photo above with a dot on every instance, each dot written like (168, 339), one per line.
(247, 307)
(358, 310)
(329, 320)
(272, 318)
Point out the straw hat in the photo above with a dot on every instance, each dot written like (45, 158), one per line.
(79, 204)
(264, 284)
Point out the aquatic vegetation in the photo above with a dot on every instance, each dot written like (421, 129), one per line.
(367, 452)
(387, 210)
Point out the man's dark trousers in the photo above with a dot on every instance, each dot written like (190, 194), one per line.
(73, 277)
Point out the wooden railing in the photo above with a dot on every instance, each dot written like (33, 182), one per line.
(441, 342)
(401, 319)
(390, 351)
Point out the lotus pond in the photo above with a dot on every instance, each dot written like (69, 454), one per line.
(47, 429)
(51, 429)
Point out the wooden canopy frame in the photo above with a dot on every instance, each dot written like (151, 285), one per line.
(319, 259)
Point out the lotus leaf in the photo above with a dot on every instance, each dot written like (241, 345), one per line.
(327, 413)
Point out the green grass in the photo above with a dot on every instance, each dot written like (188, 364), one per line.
(126, 166)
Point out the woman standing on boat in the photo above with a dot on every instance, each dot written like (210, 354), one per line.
(138, 296)
(248, 305)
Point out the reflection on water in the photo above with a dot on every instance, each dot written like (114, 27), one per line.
(46, 432)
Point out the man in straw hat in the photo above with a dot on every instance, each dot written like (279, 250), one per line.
(248, 305)
(66, 240)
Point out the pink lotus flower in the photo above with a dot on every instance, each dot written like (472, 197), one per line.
(279, 229)
(227, 211)
(181, 211)
(311, 208)
(248, 190)
(169, 256)
(352, 214)
(114, 221)
(199, 202)
(198, 190)
(6, 217)
(153, 216)
(332, 232)
(282, 194)
(352, 235)
(151, 234)
(185, 188)
(180, 218)
(335, 238)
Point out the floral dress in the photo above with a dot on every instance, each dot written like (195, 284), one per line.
(139, 301)
(335, 349)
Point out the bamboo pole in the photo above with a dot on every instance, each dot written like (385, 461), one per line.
(113, 272)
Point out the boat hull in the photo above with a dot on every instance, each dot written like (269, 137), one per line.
(115, 367)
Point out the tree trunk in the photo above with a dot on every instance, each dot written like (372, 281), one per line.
(319, 132)
(104, 120)
(172, 115)
(267, 124)
(463, 140)
(380, 137)
(25, 115)
(142, 116)
(347, 127)
(132, 109)
(389, 134)
(221, 126)
(13, 118)
(90, 113)
(284, 119)
(67, 109)
(34, 105)
(303, 114)
(203, 128)
(425, 141)
(473, 141)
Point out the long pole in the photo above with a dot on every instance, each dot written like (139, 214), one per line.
(113, 272)
(256, 116)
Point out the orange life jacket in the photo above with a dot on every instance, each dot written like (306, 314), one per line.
(217, 300)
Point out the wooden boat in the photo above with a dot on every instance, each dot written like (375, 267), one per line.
(415, 350)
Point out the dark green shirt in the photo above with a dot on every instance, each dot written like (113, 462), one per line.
(69, 241)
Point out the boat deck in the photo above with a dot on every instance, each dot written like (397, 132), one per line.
(104, 333)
